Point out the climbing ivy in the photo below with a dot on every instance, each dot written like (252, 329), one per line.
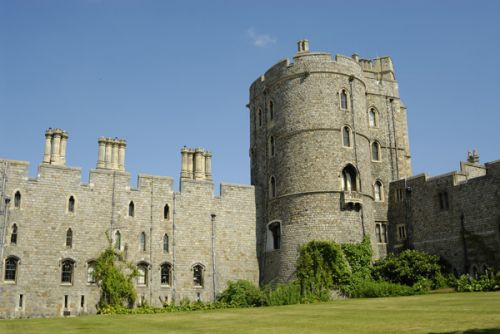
(114, 275)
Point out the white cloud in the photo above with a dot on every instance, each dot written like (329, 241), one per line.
(260, 40)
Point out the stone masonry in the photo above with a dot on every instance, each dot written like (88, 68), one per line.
(187, 230)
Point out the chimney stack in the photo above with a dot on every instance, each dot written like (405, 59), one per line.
(56, 141)
(303, 46)
(111, 153)
(196, 164)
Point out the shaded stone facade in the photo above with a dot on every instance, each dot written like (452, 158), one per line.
(455, 216)
(54, 220)
(313, 127)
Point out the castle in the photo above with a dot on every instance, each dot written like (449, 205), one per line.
(330, 159)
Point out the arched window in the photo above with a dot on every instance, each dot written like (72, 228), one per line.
(198, 275)
(69, 238)
(165, 243)
(375, 151)
(275, 235)
(118, 240)
(272, 187)
(13, 236)
(131, 209)
(71, 204)
(166, 274)
(378, 191)
(142, 277)
(271, 110)
(17, 199)
(372, 118)
(271, 146)
(166, 212)
(11, 268)
(259, 117)
(90, 272)
(349, 178)
(67, 271)
(346, 136)
(142, 241)
(343, 99)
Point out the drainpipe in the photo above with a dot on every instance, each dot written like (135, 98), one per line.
(464, 243)
(151, 243)
(351, 81)
(214, 272)
(174, 280)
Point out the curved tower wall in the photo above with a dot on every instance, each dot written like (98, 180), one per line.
(308, 157)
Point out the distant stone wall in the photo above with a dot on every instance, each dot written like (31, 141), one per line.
(217, 233)
(455, 216)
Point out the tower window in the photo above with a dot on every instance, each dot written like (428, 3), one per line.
(118, 240)
(166, 274)
(165, 243)
(443, 201)
(198, 275)
(17, 200)
(349, 178)
(271, 146)
(69, 238)
(343, 99)
(275, 229)
(71, 204)
(142, 241)
(372, 118)
(11, 268)
(166, 212)
(346, 136)
(378, 191)
(259, 117)
(13, 236)
(401, 232)
(375, 151)
(131, 209)
(271, 110)
(90, 272)
(67, 271)
(272, 187)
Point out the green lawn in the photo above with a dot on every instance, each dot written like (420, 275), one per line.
(436, 313)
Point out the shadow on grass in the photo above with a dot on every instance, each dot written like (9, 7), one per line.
(473, 331)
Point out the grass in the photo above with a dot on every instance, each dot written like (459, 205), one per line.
(470, 313)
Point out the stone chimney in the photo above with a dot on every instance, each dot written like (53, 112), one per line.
(56, 141)
(196, 164)
(111, 153)
(473, 157)
(303, 46)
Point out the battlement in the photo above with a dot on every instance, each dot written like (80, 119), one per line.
(306, 62)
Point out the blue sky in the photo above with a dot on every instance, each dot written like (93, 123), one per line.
(163, 74)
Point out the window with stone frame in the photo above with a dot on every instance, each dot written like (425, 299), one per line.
(166, 212)
(378, 191)
(131, 209)
(443, 200)
(275, 230)
(71, 204)
(165, 243)
(272, 187)
(142, 241)
(90, 272)
(349, 178)
(13, 235)
(346, 136)
(198, 275)
(271, 146)
(69, 238)
(11, 264)
(17, 200)
(118, 240)
(372, 118)
(271, 110)
(343, 99)
(166, 274)
(375, 151)
(259, 117)
(381, 232)
(401, 232)
(67, 267)
(142, 276)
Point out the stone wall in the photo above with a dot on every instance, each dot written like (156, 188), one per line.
(455, 216)
(216, 232)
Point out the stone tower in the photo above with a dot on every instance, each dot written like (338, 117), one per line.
(326, 139)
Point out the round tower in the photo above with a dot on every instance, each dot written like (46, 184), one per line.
(327, 137)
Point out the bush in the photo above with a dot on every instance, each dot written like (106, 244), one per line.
(242, 294)
(359, 257)
(321, 267)
(282, 294)
(370, 289)
(466, 283)
(409, 268)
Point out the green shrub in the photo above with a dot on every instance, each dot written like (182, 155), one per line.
(359, 257)
(242, 294)
(321, 267)
(370, 289)
(282, 294)
(466, 283)
(410, 267)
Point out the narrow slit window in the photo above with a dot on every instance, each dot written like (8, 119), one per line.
(131, 209)
(271, 110)
(271, 146)
(198, 275)
(375, 151)
(17, 200)
(69, 238)
(346, 136)
(166, 274)
(13, 236)
(165, 243)
(372, 118)
(166, 212)
(343, 99)
(378, 191)
(118, 240)
(71, 204)
(260, 117)
(272, 187)
(142, 241)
